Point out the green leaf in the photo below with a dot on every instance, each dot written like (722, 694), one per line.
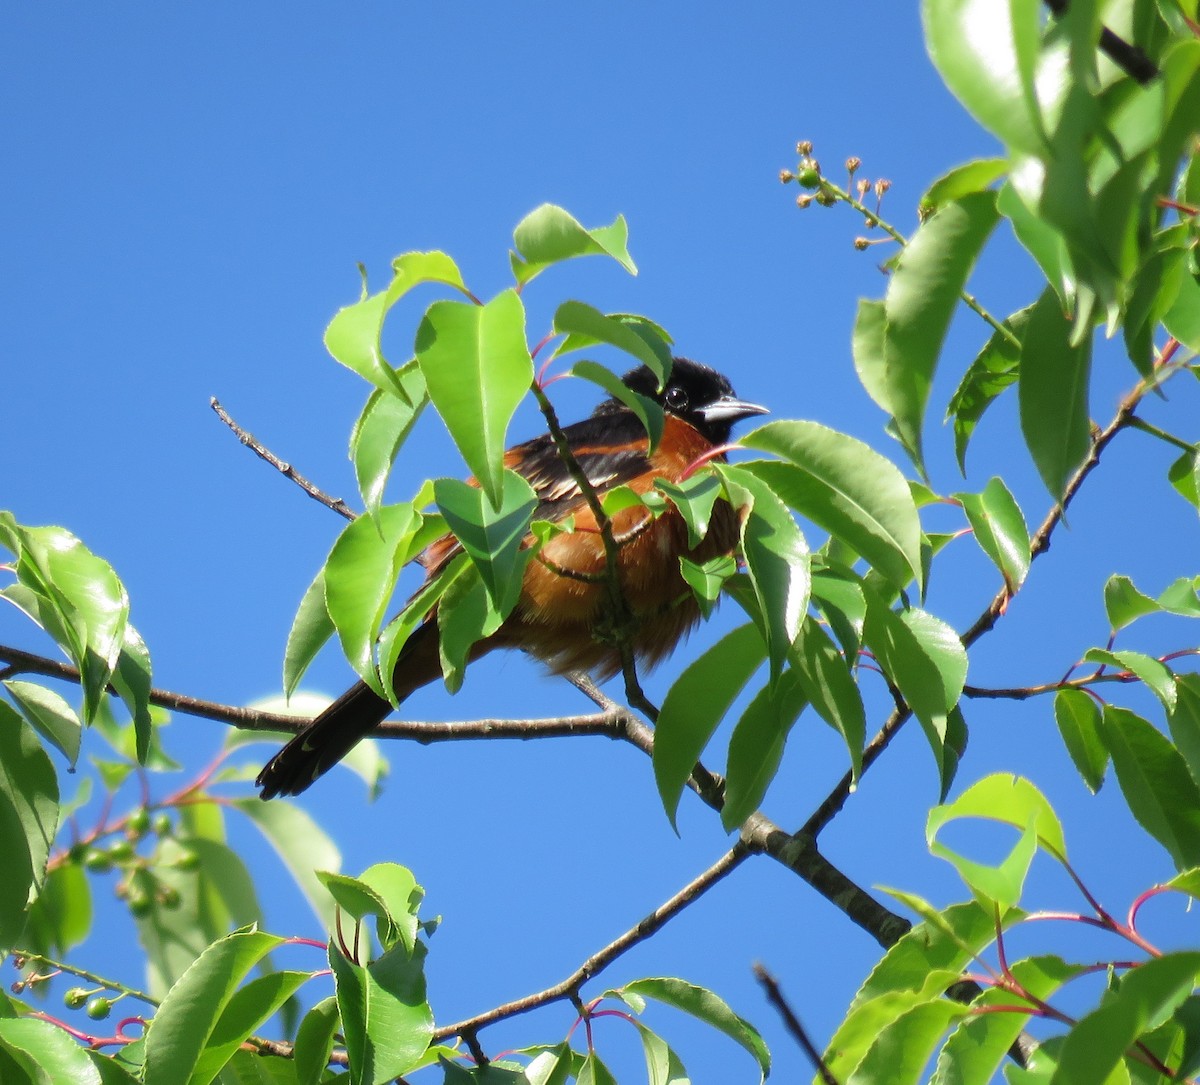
(694, 498)
(49, 714)
(999, 528)
(900, 1050)
(311, 628)
(1156, 784)
(47, 1054)
(352, 337)
(706, 580)
(1155, 675)
(360, 577)
(707, 1007)
(1009, 800)
(61, 916)
(314, 1041)
(1184, 721)
(848, 489)
(387, 891)
(549, 235)
(301, 843)
(648, 412)
(987, 58)
(28, 819)
(978, 1046)
(663, 1066)
(386, 1020)
(696, 704)
(580, 319)
(1124, 604)
(756, 746)
(777, 560)
(1145, 997)
(466, 615)
(492, 534)
(868, 348)
(477, 368)
(922, 295)
(993, 370)
(961, 181)
(1078, 719)
(827, 683)
(132, 682)
(1184, 475)
(183, 1028)
(1182, 320)
(1053, 393)
(999, 884)
(1180, 597)
(384, 425)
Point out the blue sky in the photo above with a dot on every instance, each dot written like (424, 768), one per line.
(187, 193)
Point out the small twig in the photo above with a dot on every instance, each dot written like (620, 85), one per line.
(568, 989)
(336, 503)
(1132, 60)
(775, 997)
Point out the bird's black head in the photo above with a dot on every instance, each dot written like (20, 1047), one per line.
(698, 395)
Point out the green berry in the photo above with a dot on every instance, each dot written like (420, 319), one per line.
(75, 998)
(140, 903)
(138, 822)
(121, 851)
(98, 861)
(809, 177)
(162, 823)
(99, 1008)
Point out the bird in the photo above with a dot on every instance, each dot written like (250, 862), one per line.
(563, 594)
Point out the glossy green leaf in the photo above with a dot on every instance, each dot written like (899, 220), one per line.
(594, 1072)
(1145, 997)
(1156, 676)
(987, 57)
(777, 560)
(1009, 800)
(827, 683)
(707, 579)
(1181, 598)
(839, 599)
(492, 534)
(1156, 784)
(993, 370)
(1124, 603)
(311, 628)
(360, 577)
(1040, 239)
(548, 235)
(477, 369)
(845, 487)
(923, 292)
(663, 1066)
(980, 1043)
(999, 883)
(183, 1027)
(49, 714)
(314, 1041)
(867, 347)
(707, 1007)
(301, 843)
(28, 818)
(756, 746)
(384, 425)
(46, 1053)
(1053, 393)
(1184, 721)
(696, 704)
(580, 319)
(649, 412)
(386, 1020)
(694, 497)
(243, 1014)
(999, 528)
(1078, 719)
(352, 337)
(975, 176)
(900, 1050)
(1184, 475)
(1182, 320)
(465, 616)
(132, 682)
(392, 900)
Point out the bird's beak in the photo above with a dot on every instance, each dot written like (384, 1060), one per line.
(729, 409)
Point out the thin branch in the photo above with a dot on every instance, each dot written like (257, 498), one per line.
(775, 997)
(568, 989)
(336, 503)
(1132, 60)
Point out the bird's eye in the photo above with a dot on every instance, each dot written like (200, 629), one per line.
(676, 398)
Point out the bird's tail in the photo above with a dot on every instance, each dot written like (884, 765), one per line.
(353, 716)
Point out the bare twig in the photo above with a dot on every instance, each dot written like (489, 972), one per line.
(336, 503)
(775, 997)
(568, 989)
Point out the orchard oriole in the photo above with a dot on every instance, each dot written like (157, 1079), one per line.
(563, 591)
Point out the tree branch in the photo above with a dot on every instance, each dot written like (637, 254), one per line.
(792, 1022)
(336, 503)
